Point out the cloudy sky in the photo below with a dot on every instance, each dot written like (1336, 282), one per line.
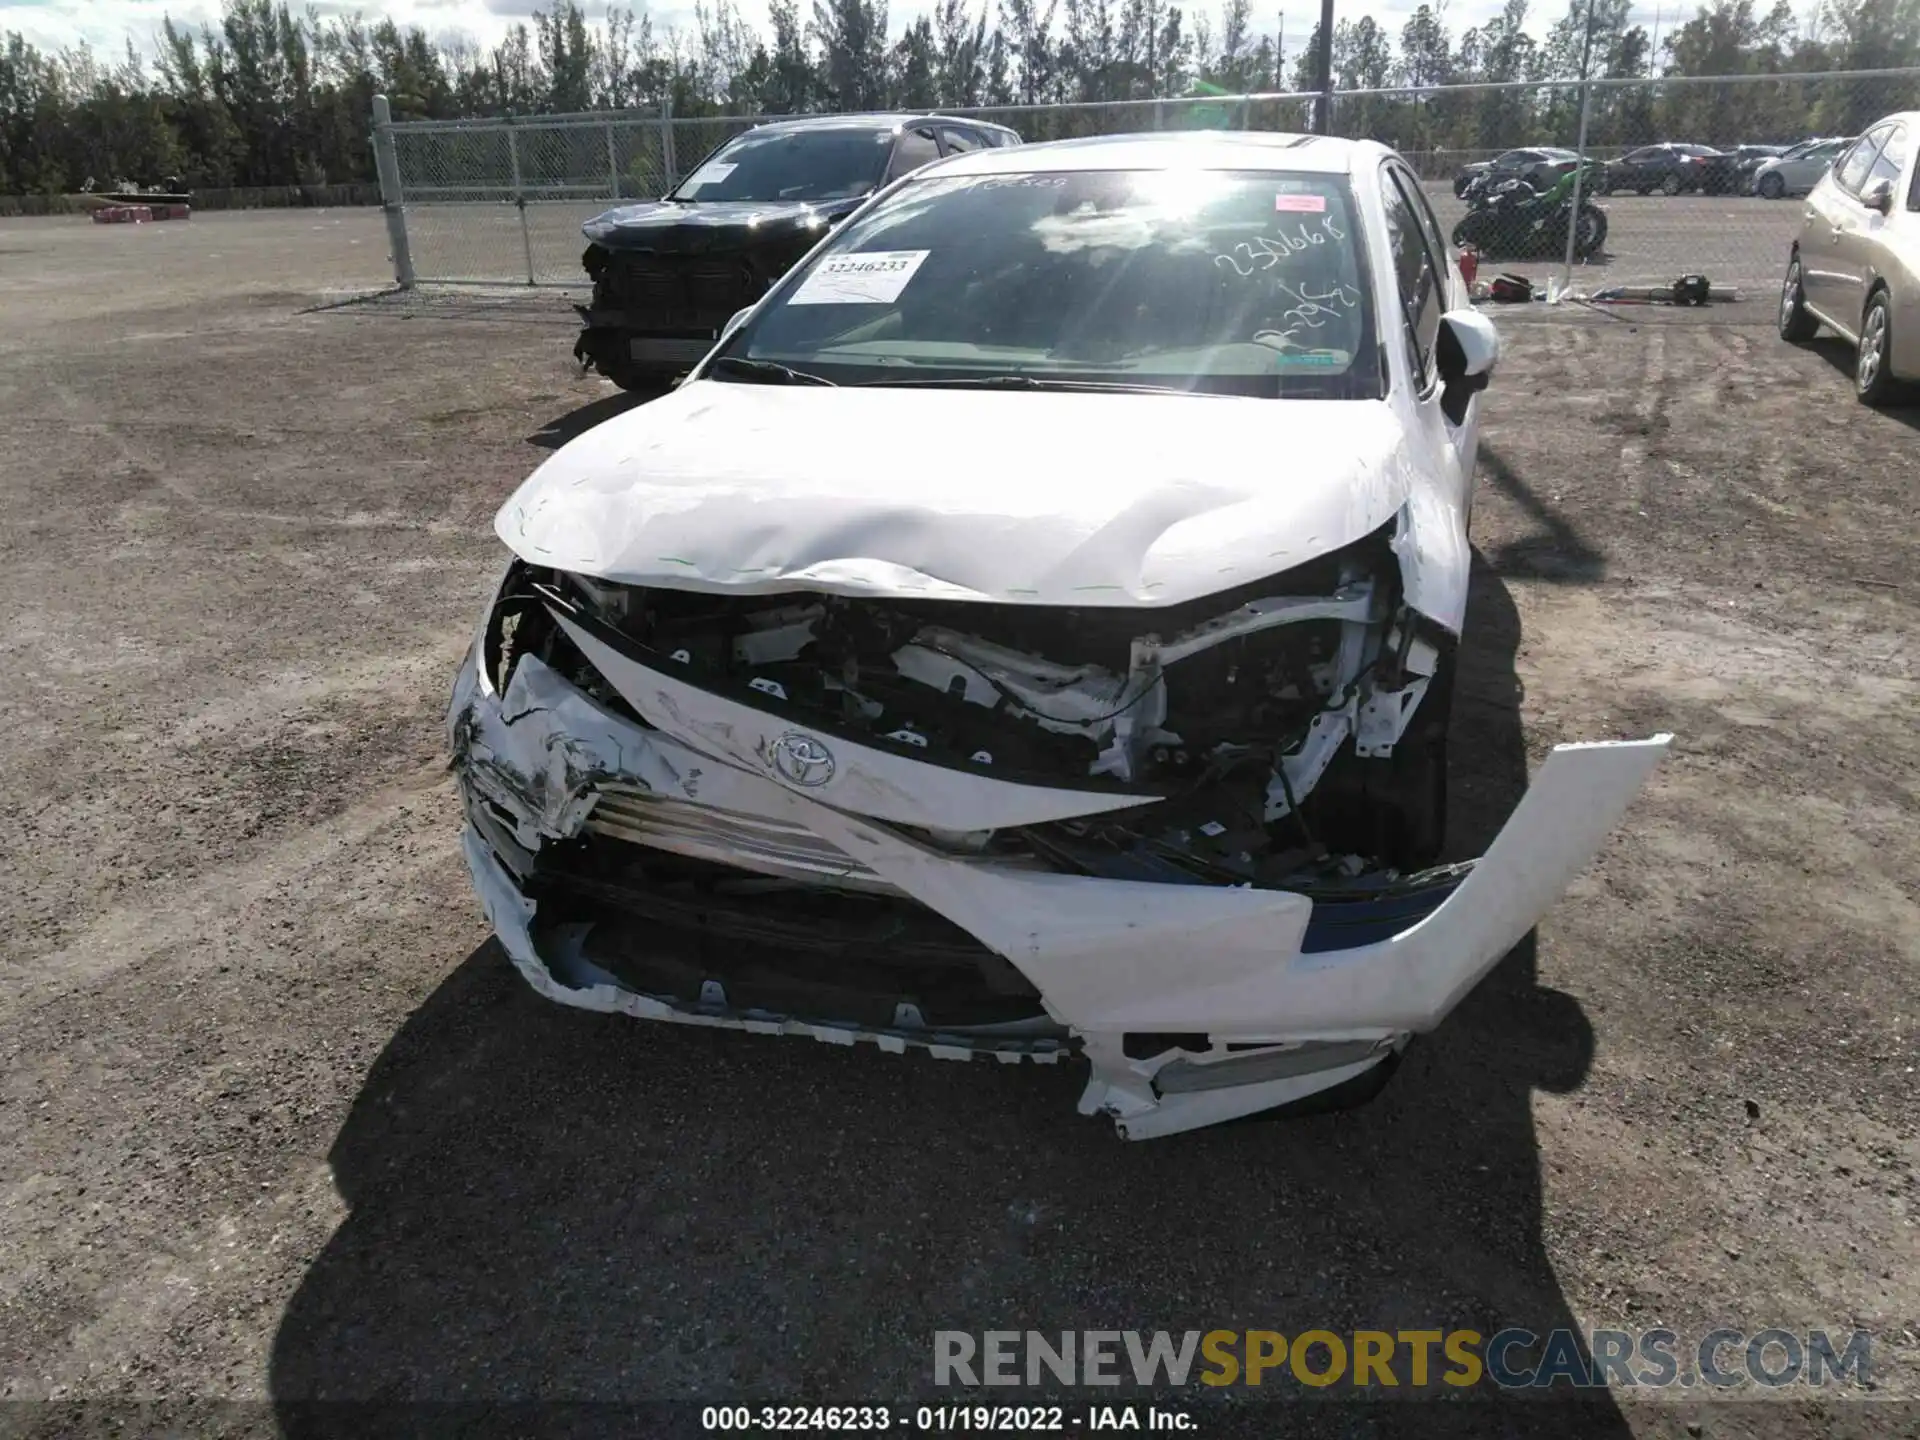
(104, 24)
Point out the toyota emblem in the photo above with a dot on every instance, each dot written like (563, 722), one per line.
(802, 760)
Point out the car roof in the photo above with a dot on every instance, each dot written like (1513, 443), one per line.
(1171, 150)
(894, 120)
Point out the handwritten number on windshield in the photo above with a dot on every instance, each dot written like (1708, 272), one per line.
(1262, 253)
(1313, 308)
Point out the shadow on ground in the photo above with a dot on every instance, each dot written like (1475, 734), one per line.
(1554, 550)
(547, 1204)
(576, 422)
(1844, 358)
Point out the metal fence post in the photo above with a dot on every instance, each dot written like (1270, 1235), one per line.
(386, 163)
(667, 158)
(1579, 152)
(1579, 175)
(519, 196)
(613, 165)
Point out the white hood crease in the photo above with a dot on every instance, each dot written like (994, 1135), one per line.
(1034, 498)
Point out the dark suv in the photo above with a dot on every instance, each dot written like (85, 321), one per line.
(1669, 169)
(668, 275)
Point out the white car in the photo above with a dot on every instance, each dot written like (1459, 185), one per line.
(1029, 634)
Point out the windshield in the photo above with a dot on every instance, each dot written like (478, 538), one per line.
(818, 163)
(1223, 282)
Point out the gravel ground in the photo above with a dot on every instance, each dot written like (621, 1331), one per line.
(279, 1124)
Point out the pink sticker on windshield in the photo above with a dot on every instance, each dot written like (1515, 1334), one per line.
(1305, 204)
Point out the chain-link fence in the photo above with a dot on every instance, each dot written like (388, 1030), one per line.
(1635, 182)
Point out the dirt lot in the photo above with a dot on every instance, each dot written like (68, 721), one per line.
(277, 1124)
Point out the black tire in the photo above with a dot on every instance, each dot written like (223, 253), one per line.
(1590, 231)
(1640, 189)
(1670, 185)
(1772, 187)
(1461, 235)
(650, 383)
(1460, 183)
(1393, 810)
(1873, 380)
(1797, 325)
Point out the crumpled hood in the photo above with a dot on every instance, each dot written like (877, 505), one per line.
(696, 225)
(1037, 498)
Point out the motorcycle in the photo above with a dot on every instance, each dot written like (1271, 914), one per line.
(1513, 219)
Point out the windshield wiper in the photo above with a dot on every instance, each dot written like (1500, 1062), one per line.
(1026, 382)
(766, 372)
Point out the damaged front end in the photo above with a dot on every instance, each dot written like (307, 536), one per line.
(1195, 844)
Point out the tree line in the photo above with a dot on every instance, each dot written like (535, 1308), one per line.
(268, 97)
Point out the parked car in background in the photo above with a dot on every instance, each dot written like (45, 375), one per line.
(1668, 168)
(1799, 169)
(1030, 635)
(1539, 166)
(668, 274)
(1855, 265)
(1731, 172)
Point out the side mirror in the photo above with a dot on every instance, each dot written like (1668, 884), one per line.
(1879, 197)
(1469, 347)
(1466, 351)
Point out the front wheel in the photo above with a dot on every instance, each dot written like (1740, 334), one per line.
(1772, 187)
(1462, 235)
(1873, 378)
(1670, 185)
(1797, 325)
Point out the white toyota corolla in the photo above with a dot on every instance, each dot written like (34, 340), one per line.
(1029, 634)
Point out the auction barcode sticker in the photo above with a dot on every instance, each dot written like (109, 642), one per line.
(870, 277)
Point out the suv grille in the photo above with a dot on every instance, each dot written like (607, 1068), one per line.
(677, 292)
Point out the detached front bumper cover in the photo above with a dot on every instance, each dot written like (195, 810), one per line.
(1110, 958)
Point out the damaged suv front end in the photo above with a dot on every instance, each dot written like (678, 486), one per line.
(1145, 766)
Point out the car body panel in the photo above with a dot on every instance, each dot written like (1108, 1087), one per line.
(1849, 251)
(1038, 503)
(1057, 499)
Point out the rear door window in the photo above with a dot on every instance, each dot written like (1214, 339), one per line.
(915, 148)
